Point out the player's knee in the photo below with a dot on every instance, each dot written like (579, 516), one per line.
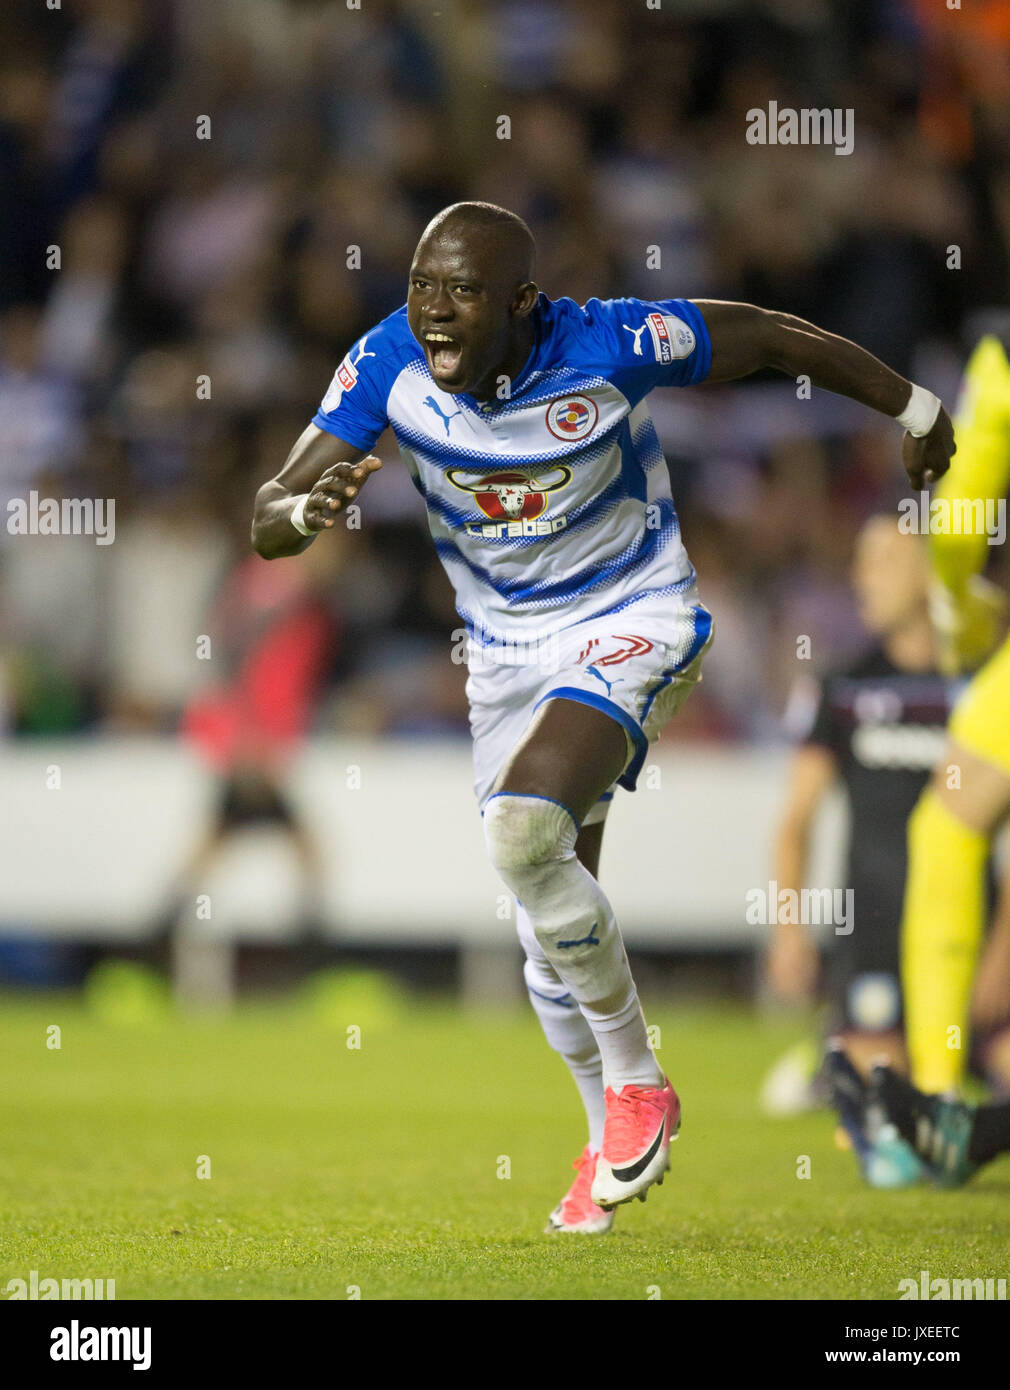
(526, 833)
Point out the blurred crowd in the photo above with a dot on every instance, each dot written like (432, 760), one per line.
(172, 307)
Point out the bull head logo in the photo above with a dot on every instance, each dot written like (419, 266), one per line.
(511, 496)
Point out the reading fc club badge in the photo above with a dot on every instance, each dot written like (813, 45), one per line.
(572, 417)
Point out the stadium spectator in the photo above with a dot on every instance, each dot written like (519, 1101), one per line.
(251, 259)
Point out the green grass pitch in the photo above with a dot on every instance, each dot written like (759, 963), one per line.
(334, 1169)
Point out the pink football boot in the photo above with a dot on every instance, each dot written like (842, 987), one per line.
(641, 1123)
(576, 1211)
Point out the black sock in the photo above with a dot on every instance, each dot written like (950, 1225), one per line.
(990, 1134)
(900, 1101)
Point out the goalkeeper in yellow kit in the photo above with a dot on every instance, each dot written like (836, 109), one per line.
(952, 827)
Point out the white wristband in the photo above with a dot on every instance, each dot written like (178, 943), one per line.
(297, 517)
(919, 415)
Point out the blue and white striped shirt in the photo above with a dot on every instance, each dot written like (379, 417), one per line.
(553, 505)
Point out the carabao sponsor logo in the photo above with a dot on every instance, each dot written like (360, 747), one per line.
(513, 502)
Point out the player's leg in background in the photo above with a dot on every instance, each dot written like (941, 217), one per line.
(949, 837)
(866, 1049)
(952, 1138)
(564, 1024)
(990, 1009)
(866, 1017)
(990, 1134)
(569, 756)
(864, 992)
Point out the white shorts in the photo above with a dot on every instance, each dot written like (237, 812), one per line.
(638, 666)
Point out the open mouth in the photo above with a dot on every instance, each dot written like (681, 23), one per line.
(444, 353)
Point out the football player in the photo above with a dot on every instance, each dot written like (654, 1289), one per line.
(524, 426)
(876, 728)
(951, 830)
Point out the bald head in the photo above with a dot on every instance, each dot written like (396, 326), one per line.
(471, 296)
(506, 236)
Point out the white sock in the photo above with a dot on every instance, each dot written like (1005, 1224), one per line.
(565, 1028)
(588, 1077)
(628, 1058)
(532, 845)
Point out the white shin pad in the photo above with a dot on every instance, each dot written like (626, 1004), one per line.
(531, 841)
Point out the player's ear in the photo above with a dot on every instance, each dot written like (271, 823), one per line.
(524, 300)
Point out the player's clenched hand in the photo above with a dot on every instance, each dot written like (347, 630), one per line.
(339, 485)
(927, 459)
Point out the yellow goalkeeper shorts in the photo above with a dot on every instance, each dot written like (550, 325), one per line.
(980, 721)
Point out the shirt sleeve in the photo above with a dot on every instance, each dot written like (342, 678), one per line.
(980, 470)
(354, 407)
(808, 718)
(648, 343)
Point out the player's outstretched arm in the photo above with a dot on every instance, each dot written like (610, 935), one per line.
(746, 338)
(321, 474)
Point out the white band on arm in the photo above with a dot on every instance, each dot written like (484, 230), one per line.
(297, 517)
(919, 415)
